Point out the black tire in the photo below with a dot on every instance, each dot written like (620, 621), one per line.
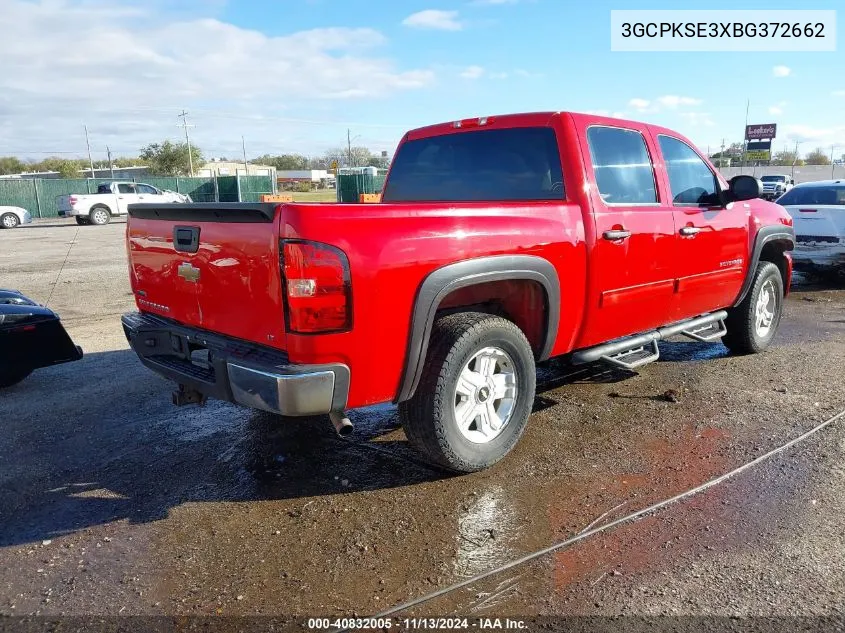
(81, 221)
(742, 336)
(9, 221)
(99, 215)
(429, 416)
(9, 377)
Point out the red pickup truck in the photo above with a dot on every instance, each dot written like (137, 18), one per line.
(499, 242)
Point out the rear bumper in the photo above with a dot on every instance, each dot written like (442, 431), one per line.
(69, 213)
(230, 369)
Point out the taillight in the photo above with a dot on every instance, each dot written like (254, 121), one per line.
(72, 200)
(317, 287)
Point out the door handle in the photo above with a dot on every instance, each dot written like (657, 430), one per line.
(616, 235)
(690, 230)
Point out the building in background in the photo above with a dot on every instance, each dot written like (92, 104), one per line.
(104, 173)
(317, 178)
(215, 168)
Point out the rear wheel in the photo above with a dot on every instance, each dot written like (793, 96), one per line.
(99, 216)
(475, 395)
(9, 377)
(752, 324)
(9, 220)
(81, 221)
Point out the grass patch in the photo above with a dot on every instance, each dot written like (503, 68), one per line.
(326, 195)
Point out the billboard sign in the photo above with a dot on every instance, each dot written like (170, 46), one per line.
(765, 130)
(754, 146)
(759, 154)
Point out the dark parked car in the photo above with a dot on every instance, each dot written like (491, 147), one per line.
(31, 336)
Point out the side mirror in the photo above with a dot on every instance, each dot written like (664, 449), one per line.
(745, 187)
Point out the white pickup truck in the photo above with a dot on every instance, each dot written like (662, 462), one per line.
(111, 199)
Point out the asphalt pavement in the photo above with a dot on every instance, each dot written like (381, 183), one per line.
(115, 502)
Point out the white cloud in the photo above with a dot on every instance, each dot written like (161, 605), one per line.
(434, 19)
(132, 68)
(499, 75)
(781, 71)
(674, 101)
(698, 119)
(472, 72)
(777, 109)
(492, 2)
(640, 105)
(819, 137)
(839, 93)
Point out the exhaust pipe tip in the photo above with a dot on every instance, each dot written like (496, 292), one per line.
(342, 425)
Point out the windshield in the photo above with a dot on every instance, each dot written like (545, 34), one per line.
(483, 165)
(814, 195)
(773, 179)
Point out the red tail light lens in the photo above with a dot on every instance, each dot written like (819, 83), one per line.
(317, 288)
(72, 200)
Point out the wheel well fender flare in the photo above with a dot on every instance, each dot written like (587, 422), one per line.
(442, 281)
(765, 235)
(100, 205)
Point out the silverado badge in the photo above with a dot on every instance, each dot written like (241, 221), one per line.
(188, 272)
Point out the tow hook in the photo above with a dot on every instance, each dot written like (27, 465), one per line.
(185, 395)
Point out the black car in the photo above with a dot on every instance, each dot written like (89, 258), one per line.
(31, 336)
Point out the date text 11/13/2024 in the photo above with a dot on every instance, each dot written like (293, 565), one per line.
(427, 624)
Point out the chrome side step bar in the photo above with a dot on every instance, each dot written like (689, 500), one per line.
(707, 333)
(635, 351)
(633, 358)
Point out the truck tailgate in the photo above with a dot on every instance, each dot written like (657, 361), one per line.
(212, 266)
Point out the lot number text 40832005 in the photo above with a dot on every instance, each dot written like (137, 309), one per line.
(418, 624)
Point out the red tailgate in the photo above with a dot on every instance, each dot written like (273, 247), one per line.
(227, 281)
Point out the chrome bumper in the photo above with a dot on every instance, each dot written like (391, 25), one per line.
(232, 370)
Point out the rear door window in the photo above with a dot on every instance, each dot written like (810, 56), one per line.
(622, 166)
(482, 165)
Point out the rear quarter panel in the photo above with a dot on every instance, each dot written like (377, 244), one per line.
(393, 247)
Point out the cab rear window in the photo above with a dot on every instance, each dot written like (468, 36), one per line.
(480, 165)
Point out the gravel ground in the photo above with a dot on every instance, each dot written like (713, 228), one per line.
(114, 502)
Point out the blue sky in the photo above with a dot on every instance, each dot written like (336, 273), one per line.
(292, 75)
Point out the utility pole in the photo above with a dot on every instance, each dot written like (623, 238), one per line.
(795, 159)
(184, 117)
(832, 164)
(745, 140)
(111, 164)
(243, 146)
(349, 146)
(90, 160)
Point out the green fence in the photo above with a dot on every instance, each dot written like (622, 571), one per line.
(351, 186)
(39, 195)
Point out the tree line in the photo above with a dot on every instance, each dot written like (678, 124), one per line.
(171, 159)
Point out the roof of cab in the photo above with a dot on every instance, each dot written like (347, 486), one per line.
(527, 119)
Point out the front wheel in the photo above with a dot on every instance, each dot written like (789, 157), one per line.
(475, 394)
(752, 324)
(9, 220)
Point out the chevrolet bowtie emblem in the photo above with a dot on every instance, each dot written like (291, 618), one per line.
(188, 272)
